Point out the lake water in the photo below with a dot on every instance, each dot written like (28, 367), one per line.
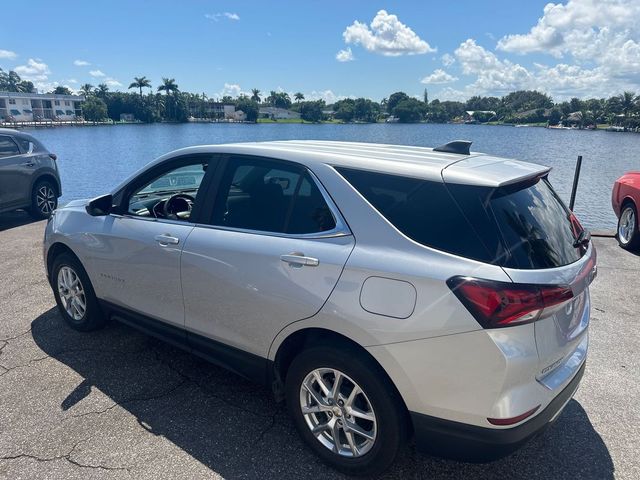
(92, 160)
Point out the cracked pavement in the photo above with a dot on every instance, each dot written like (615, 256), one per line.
(116, 404)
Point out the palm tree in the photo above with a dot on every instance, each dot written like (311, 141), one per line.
(255, 95)
(168, 86)
(140, 82)
(87, 88)
(271, 99)
(299, 96)
(102, 90)
(627, 102)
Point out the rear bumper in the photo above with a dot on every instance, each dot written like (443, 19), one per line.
(472, 443)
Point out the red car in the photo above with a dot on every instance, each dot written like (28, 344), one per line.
(625, 199)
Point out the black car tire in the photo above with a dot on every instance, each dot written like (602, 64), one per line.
(44, 199)
(390, 413)
(633, 242)
(93, 317)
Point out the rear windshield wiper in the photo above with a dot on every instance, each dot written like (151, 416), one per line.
(583, 238)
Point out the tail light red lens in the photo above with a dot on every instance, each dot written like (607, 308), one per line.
(501, 304)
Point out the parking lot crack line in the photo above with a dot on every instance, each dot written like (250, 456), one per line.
(164, 394)
(66, 457)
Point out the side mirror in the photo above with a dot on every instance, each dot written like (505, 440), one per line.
(100, 206)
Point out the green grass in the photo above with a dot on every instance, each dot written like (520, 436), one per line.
(286, 120)
(294, 120)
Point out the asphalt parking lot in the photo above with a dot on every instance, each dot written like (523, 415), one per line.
(118, 404)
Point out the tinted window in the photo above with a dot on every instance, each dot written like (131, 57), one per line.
(535, 226)
(424, 211)
(269, 196)
(24, 143)
(8, 146)
(529, 219)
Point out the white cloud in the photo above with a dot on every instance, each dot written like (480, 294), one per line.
(8, 54)
(72, 80)
(327, 95)
(232, 90)
(448, 60)
(386, 36)
(573, 27)
(439, 76)
(34, 71)
(491, 75)
(81, 63)
(112, 82)
(97, 73)
(345, 55)
(603, 33)
(217, 16)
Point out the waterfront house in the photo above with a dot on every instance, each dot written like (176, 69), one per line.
(275, 113)
(475, 116)
(29, 107)
(210, 109)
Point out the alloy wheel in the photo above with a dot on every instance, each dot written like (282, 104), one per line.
(71, 293)
(627, 225)
(338, 412)
(46, 199)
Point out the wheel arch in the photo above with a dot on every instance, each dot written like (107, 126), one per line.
(628, 199)
(49, 177)
(305, 338)
(54, 251)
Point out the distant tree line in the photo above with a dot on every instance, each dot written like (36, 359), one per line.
(168, 103)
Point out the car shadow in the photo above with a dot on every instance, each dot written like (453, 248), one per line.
(236, 429)
(15, 219)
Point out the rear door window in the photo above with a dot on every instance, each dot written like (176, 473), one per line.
(270, 196)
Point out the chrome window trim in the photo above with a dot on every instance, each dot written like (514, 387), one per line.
(302, 236)
(340, 230)
(154, 219)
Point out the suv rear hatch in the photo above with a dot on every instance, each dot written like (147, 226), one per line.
(543, 248)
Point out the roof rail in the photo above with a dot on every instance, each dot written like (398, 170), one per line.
(461, 147)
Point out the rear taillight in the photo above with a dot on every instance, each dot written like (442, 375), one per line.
(501, 304)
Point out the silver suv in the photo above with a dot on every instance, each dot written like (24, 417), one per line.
(383, 291)
(28, 175)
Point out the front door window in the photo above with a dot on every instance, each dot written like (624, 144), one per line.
(171, 195)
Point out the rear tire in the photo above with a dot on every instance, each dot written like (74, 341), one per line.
(44, 199)
(627, 233)
(366, 446)
(74, 294)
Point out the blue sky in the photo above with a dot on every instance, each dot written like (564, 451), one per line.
(454, 49)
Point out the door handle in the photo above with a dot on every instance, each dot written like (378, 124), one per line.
(166, 239)
(297, 259)
(28, 164)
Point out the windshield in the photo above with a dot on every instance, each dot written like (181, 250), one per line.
(181, 179)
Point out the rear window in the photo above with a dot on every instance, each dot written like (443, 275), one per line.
(422, 210)
(524, 226)
(532, 221)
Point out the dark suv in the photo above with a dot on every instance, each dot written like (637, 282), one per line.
(29, 176)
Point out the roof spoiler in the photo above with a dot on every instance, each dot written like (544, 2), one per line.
(461, 147)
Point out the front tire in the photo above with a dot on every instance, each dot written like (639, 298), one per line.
(74, 294)
(44, 199)
(628, 235)
(345, 410)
